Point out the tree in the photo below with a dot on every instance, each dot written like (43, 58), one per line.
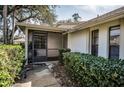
(65, 21)
(22, 13)
(5, 23)
(76, 17)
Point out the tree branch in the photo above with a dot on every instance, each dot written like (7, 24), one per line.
(31, 16)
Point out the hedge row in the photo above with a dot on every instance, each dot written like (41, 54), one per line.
(61, 51)
(11, 60)
(87, 70)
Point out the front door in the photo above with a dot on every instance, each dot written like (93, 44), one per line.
(39, 46)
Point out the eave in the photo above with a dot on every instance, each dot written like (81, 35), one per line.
(113, 15)
(40, 27)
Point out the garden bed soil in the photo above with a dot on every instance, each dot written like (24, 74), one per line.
(60, 74)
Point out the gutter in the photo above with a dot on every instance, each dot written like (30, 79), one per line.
(41, 27)
(116, 14)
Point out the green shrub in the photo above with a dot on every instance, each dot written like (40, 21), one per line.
(11, 60)
(88, 70)
(61, 51)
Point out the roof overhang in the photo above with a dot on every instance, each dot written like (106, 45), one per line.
(113, 15)
(40, 27)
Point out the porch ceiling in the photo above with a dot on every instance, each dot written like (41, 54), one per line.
(40, 27)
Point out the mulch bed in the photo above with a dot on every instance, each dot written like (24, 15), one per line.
(60, 74)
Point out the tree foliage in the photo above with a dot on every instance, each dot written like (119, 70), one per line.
(76, 17)
(26, 13)
(11, 62)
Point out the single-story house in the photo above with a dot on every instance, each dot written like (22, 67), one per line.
(101, 36)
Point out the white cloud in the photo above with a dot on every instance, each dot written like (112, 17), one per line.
(85, 11)
(86, 8)
(91, 9)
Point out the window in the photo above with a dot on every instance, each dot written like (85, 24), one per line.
(40, 40)
(114, 42)
(95, 37)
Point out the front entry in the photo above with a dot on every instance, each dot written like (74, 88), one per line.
(39, 46)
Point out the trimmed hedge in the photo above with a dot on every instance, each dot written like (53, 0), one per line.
(61, 51)
(11, 60)
(91, 71)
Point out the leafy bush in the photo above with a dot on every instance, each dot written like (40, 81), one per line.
(11, 60)
(88, 70)
(61, 51)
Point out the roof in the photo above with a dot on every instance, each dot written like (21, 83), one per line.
(71, 27)
(20, 40)
(68, 25)
(41, 27)
(115, 14)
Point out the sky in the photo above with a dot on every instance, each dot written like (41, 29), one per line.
(86, 12)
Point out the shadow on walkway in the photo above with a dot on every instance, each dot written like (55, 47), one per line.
(40, 76)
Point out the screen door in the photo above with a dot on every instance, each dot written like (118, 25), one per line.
(39, 46)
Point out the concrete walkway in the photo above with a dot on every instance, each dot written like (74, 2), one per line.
(40, 76)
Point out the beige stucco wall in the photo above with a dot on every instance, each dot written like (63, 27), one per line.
(54, 42)
(80, 41)
(122, 39)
